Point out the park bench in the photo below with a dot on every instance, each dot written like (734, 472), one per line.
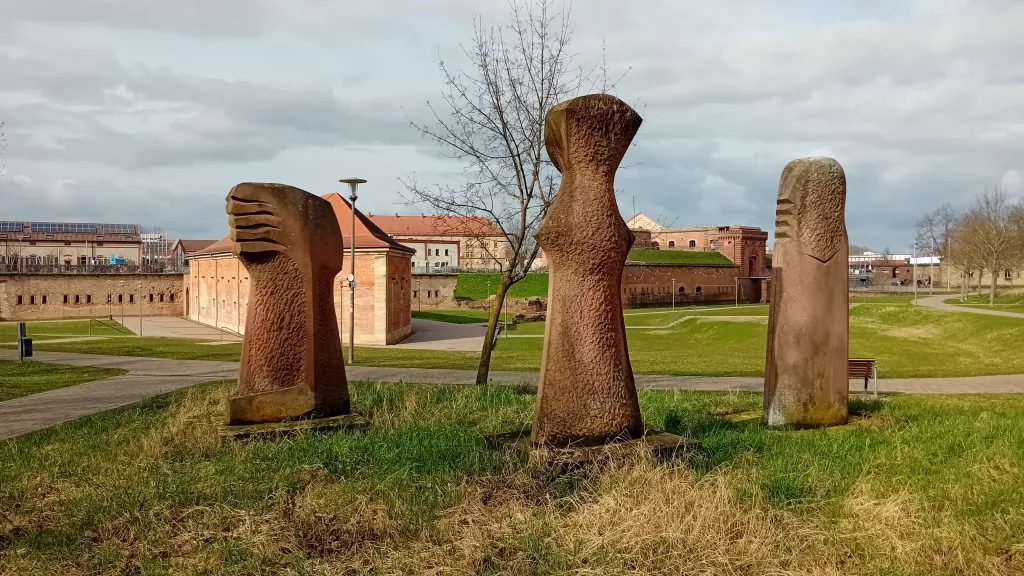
(865, 368)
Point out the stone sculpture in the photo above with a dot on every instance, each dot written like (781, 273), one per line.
(806, 381)
(586, 391)
(292, 365)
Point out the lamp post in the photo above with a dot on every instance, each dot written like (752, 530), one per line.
(120, 298)
(914, 260)
(353, 186)
(673, 293)
(140, 310)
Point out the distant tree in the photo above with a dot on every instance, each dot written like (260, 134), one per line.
(886, 254)
(989, 232)
(858, 250)
(493, 121)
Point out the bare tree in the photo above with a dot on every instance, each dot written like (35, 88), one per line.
(493, 121)
(990, 235)
(858, 250)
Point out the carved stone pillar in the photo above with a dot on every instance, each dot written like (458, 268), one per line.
(806, 382)
(292, 364)
(586, 391)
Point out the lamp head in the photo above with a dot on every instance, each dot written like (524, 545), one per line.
(353, 186)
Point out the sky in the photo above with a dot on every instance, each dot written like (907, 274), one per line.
(148, 111)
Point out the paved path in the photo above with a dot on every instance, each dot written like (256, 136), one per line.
(434, 335)
(174, 327)
(148, 377)
(937, 302)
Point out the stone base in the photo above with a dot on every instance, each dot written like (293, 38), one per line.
(275, 430)
(660, 444)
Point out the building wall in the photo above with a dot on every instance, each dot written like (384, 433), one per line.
(433, 291)
(66, 252)
(219, 291)
(92, 290)
(467, 252)
(649, 284)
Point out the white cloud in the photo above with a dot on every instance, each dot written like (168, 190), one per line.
(157, 108)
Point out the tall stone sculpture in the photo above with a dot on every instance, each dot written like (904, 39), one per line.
(586, 392)
(292, 365)
(806, 382)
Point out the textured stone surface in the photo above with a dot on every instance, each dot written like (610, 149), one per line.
(292, 365)
(586, 391)
(808, 327)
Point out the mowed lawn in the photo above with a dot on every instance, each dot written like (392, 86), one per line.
(908, 341)
(24, 378)
(913, 486)
(52, 330)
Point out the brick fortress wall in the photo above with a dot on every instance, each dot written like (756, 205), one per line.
(55, 296)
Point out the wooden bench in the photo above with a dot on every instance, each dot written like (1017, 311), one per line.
(865, 368)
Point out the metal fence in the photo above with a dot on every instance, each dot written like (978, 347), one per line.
(160, 268)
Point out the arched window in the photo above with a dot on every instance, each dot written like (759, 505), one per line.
(682, 289)
(699, 290)
(671, 243)
(693, 243)
(654, 245)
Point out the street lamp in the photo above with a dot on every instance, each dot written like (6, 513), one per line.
(673, 293)
(140, 310)
(353, 186)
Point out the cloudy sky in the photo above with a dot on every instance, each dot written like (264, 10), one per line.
(148, 111)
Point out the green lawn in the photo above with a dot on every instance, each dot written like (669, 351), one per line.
(461, 316)
(50, 330)
(478, 285)
(692, 258)
(1002, 298)
(914, 486)
(908, 341)
(23, 378)
(883, 299)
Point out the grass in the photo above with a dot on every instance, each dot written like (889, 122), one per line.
(1005, 301)
(913, 486)
(907, 341)
(480, 285)
(19, 379)
(51, 330)
(884, 299)
(685, 257)
(461, 316)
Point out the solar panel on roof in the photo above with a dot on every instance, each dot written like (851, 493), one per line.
(118, 228)
(10, 226)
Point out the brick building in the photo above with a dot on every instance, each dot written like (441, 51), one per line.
(444, 242)
(28, 296)
(35, 246)
(182, 250)
(217, 284)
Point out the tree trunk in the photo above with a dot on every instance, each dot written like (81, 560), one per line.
(992, 288)
(492, 325)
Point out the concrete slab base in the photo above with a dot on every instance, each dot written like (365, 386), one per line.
(276, 430)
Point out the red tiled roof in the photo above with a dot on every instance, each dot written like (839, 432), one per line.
(368, 235)
(190, 246)
(402, 226)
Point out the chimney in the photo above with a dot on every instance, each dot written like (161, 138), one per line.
(396, 214)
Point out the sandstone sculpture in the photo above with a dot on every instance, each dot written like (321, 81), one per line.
(292, 365)
(806, 381)
(586, 391)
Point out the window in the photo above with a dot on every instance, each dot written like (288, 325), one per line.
(671, 243)
(437, 251)
(437, 264)
(415, 293)
(44, 298)
(88, 298)
(33, 260)
(699, 290)
(654, 245)
(83, 260)
(445, 251)
(172, 296)
(693, 243)
(20, 300)
(131, 298)
(161, 297)
(78, 299)
(413, 264)
(120, 298)
(682, 289)
(151, 297)
(1008, 275)
(31, 299)
(65, 298)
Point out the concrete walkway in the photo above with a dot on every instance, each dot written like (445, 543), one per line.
(148, 377)
(938, 303)
(174, 327)
(434, 335)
